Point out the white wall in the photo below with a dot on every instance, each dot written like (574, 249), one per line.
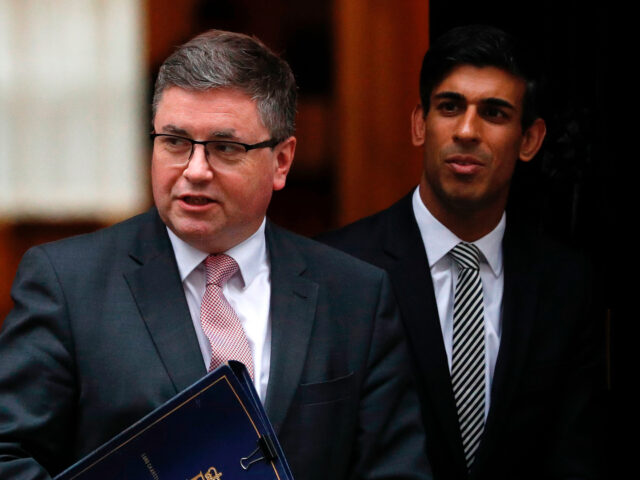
(72, 109)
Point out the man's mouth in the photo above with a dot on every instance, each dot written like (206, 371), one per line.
(195, 200)
(464, 164)
(464, 160)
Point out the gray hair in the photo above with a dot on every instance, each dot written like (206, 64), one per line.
(219, 59)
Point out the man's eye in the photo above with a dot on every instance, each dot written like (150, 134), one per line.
(226, 148)
(175, 143)
(494, 113)
(448, 107)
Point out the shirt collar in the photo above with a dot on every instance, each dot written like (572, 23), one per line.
(438, 240)
(250, 254)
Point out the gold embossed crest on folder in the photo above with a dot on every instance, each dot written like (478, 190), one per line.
(211, 474)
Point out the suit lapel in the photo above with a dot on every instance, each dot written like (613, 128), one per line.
(293, 307)
(518, 315)
(408, 267)
(158, 293)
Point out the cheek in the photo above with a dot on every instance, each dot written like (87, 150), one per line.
(507, 155)
(430, 155)
(505, 143)
(243, 188)
(262, 177)
(504, 165)
(436, 139)
(260, 189)
(162, 181)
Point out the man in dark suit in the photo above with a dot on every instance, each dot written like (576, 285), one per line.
(534, 358)
(110, 325)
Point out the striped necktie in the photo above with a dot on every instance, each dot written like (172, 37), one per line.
(220, 322)
(468, 356)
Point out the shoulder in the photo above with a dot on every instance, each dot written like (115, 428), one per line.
(121, 231)
(541, 249)
(101, 247)
(320, 261)
(369, 232)
(562, 270)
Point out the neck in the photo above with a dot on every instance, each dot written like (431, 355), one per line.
(467, 221)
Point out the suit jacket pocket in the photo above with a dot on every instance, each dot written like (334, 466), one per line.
(325, 392)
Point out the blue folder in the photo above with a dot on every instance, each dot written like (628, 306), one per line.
(216, 429)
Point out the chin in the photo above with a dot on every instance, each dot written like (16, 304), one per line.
(194, 233)
(473, 202)
(463, 200)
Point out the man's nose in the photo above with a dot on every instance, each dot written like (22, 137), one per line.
(198, 169)
(468, 127)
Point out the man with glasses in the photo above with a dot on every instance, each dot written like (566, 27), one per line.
(110, 325)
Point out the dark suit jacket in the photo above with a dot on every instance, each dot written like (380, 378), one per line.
(543, 400)
(101, 334)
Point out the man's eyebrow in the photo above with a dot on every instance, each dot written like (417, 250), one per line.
(449, 96)
(491, 101)
(227, 134)
(174, 130)
(498, 102)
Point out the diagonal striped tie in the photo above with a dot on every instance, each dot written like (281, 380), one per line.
(468, 357)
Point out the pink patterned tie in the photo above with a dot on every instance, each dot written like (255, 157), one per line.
(219, 321)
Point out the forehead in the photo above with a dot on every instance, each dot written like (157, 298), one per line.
(207, 108)
(477, 84)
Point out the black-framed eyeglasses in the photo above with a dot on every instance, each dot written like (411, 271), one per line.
(177, 150)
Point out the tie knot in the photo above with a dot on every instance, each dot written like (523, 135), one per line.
(219, 269)
(466, 255)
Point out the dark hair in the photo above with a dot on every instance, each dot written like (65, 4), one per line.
(479, 46)
(219, 59)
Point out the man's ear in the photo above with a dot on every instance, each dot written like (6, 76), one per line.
(417, 126)
(532, 140)
(284, 153)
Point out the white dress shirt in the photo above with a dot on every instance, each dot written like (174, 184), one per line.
(438, 240)
(248, 291)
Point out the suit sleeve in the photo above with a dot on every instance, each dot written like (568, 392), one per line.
(391, 440)
(37, 388)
